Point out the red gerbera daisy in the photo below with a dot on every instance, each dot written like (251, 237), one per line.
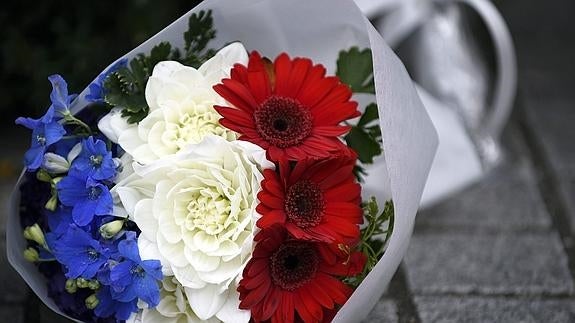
(290, 109)
(316, 200)
(288, 280)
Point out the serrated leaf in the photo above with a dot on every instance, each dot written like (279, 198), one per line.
(126, 87)
(200, 31)
(355, 68)
(140, 74)
(160, 52)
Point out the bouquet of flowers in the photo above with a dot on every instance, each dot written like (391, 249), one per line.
(194, 180)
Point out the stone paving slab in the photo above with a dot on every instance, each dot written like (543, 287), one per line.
(385, 311)
(480, 207)
(553, 122)
(494, 309)
(463, 263)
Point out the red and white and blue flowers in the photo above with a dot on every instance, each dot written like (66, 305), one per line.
(206, 186)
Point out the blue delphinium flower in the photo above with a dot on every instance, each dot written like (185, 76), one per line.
(133, 277)
(96, 88)
(108, 306)
(78, 251)
(45, 132)
(94, 161)
(86, 196)
(59, 221)
(60, 99)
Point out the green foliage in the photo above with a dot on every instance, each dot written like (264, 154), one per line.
(355, 68)
(374, 236)
(126, 87)
(365, 137)
(200, 32)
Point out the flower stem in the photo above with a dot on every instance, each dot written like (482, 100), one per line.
(72, 120)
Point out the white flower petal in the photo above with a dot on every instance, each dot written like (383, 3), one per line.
(169, 230)
(202, 262)
(205, 242)
(188, 277)
(112, 125)
(231, 312)
(224, 273)
(149, 251)
(145, 219)
(129, 197)
(153, 316)
(206, 302)
(74, 152)
(219, 66)
(174, 252)
(55, 164)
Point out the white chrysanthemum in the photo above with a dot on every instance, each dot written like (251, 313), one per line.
(196, 210)
(174, 307)
(181, 101)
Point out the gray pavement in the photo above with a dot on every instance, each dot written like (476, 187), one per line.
(503, 250)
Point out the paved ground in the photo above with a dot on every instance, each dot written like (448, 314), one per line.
(501, 251)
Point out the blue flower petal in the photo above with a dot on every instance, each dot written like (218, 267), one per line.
(129, 249)
(108, 306)
(59, 95)
(33, 158)
(147, 289)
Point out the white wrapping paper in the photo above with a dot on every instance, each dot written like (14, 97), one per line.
(317, 29)
(441, 48)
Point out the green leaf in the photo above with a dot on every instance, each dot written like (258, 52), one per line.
(364, 144)
(160, 52)
(370, 114)
(355, 68)
(200, 32)
(375, 234)
(126, 87)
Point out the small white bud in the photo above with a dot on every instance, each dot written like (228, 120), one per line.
(35, 233)
(31, 255)
(92, 301)
(110, 229)
(55, 164)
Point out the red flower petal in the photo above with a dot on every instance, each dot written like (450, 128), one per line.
(286, 106)
(271, 218)
(300, 279)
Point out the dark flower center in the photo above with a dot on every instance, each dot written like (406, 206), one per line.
(92, 254)
(294, 264)
(41, 140)
(137, 271)
(304, 204)
(96, 160)
(94, 193)
(283, 122)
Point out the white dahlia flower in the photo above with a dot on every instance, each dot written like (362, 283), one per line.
(196, 210)
(181, 101)
(174, 307)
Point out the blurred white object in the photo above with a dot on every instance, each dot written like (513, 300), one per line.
(468, 99)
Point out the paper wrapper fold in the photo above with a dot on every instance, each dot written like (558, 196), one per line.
(316, 29)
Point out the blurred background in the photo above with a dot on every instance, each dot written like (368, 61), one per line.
(501, 250)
